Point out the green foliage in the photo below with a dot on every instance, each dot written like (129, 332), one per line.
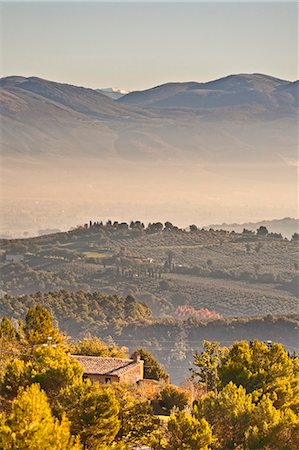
(264, 420)
(188, 432)
(228, 414)
(93, 412)
(257, 406)
(238, 422)
(50, 367)
(53, 369)
(7, 330)
(78, 313)
(31, 426)
(138, 421)
(171, 397)
(14, 376)
(263, 368)
(39, 327)
(9, 342)
(96, 347)
(152, 369)
(207, 363)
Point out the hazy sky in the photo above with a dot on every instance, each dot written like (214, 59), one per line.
(139, 45)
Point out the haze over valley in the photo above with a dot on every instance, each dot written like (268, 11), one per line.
(222, 151)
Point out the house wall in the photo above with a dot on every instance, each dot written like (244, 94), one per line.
(103, 379)
(133, 375)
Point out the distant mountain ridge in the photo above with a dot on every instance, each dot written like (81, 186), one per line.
(233, 90)
(226, 119)
(77, 99)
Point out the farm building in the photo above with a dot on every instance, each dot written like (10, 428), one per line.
(111, 370)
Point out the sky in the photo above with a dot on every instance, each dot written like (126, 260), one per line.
(139, 45)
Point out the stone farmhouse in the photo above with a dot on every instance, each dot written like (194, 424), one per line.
(111, 370)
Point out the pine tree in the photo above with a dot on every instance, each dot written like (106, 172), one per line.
(39, 328)
(228, 414)
(53, 369)
(31, 425)
(152, 369)
(207, 364)
(93, 411)
(7, 330)
(188, 432)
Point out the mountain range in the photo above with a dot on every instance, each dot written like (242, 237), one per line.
(221, 144)
(198, 120)
(231, 91)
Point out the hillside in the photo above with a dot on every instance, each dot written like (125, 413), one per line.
(230, 274)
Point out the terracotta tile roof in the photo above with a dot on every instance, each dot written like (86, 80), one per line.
(99, 365)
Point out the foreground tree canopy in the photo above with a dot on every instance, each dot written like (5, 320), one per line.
(242, 397)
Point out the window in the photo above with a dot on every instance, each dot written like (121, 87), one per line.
(108, 380)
